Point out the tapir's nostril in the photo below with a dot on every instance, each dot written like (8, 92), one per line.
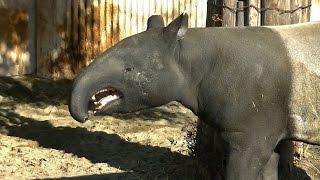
(83, 120)
(129, 69)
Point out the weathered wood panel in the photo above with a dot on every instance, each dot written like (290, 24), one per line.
(315, 10)
(254, 15)
(17, 37)
(274, 17)
(55, 54)
(229, 17)
(295, 17)
(74, 32)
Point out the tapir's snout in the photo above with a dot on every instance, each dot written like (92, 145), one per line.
(79, 100)
(78, 110)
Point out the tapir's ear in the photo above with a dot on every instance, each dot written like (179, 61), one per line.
(177, 28)
(155, 21)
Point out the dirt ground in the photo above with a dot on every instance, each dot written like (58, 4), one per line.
(40, 140)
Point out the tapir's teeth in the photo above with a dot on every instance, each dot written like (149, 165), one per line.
(93, 97)
(96, 103)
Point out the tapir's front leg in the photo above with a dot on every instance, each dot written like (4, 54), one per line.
(250, 164)
(252, 145)
(270, 170)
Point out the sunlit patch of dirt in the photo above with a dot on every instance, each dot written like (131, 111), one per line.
(39, 139)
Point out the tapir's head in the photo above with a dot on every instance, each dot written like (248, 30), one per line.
(139, 72)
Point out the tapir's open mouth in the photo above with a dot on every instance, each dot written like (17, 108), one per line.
(103, 97)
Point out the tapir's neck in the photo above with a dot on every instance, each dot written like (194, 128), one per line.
(197, 54)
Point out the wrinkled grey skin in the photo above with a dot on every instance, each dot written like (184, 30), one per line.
(241, 80)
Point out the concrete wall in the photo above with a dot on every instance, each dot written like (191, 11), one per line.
(17, 37)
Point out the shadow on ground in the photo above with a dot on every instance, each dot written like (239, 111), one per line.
(98, 147)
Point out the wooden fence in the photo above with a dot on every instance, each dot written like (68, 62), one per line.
(71, 33)
(56, 38)
(17, 37)
(261, 12)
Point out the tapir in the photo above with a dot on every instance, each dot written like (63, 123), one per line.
(258, 86)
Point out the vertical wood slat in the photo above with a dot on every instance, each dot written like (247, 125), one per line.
(193, 15)
(315, 10)
(75, 25)
(176, 8)
(96, 28)
(134, 20)
(254, 15)
(122, 19)
(128, 15)
(68, 28)
(305, 12)
(295, 17)
(170, 10)
(285, 17)
(103, 34)
(271, 17)
(229, 18)
(109, 23)
(82, 28)
(240, 14)
(115, 22)
(89, 27)
(164, 10)
(140, 16)
(146, 13)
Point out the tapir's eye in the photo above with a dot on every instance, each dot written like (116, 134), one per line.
(128, 69)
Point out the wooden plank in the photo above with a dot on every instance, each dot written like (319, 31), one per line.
(140, 17)
(193, 13)
(170, 10)
(75, 25)
(158, 8)
(164, 11)
(82, 28)
(122, 19)
(96, 28)
(285, 17)
(128, 18)
(89, 27)
(295, 17)
(305, 15)
(254, 15)
(134, 20)
(68, 23)
(115, 22)
(240, 14)
(146, 13)
(103, 35)
(315, 10)
(182, 7)
(109, 19)
(152, 7)
(188, 9)
(229, 17)
(176, 8)
(271, 17)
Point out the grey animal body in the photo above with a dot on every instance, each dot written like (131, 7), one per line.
(257, 86)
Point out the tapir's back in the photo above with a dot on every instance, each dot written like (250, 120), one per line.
(303, 44)
(303, 48)
(285, 55)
